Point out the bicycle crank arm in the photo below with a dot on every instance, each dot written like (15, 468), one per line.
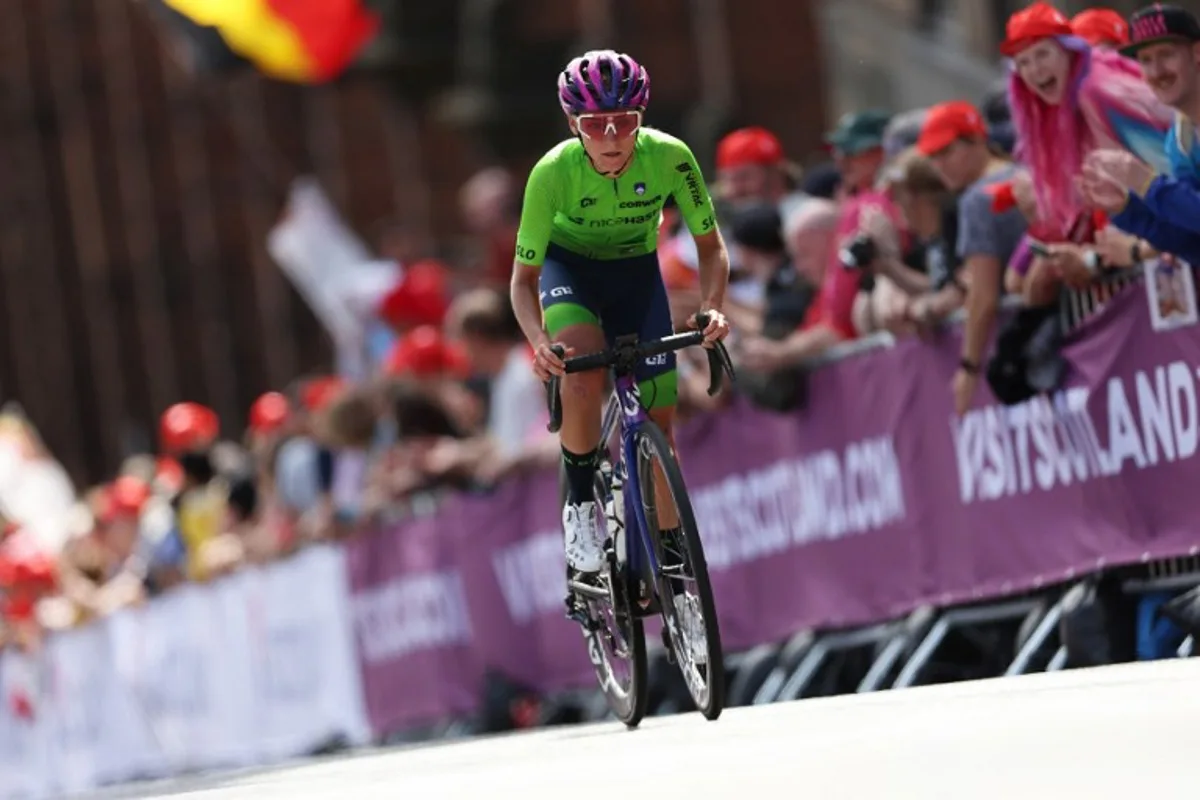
(587, 590)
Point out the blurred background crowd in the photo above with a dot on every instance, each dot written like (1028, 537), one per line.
(350, 361)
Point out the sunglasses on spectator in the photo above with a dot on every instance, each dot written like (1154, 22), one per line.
(598, 126)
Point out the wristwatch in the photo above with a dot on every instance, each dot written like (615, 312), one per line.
(1091, 260)
(968, 366)
(1135, 252)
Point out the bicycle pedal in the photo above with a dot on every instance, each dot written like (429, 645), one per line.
(579, 614)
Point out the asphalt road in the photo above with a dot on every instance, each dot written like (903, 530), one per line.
(1116, 732)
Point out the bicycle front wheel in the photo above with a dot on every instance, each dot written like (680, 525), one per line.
(612, 631)
(689, 612)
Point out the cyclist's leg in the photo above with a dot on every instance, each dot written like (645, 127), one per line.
(646, 310)
(659, 386)
(570, 318)
(636, 302)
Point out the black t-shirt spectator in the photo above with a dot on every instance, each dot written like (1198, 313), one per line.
(941, 254)
(787, 300)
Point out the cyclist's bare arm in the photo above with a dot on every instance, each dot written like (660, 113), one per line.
(523, 291)
(714, 270)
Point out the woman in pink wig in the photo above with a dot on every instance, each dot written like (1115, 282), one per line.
(1068, 99)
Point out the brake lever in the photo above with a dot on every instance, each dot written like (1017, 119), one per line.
(719, 362)
(719, 365)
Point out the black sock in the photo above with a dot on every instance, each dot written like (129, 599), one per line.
(581, 470)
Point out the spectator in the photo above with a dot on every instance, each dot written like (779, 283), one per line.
(490, 208)
(1057, 124)
(424, 355)
(426, 457)
(998, 117)
(929, 288)
(1159, 210)
(272, 421)
(955, 140)
(28, 573)
(751, 166)
(809, 234)
(822, 182)
(188, 432)
(751, 169)
(496, 349)
(349, 428)
(421, 297)
(790, 301)
(756, 230)
(896, 267)
(902, 132)
(1101, 27)
(303, 467)
(858, 148)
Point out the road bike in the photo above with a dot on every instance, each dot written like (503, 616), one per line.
(642, 565)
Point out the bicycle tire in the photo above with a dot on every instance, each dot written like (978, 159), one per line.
(628, 706)
(650, 434)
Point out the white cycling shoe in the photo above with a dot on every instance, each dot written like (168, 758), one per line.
(583, 533)
(691, 620)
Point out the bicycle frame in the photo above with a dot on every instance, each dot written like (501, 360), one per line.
(625, 410)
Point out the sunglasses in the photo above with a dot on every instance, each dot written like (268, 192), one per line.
(598, 126)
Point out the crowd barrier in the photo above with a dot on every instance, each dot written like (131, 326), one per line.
(873, 500)
(250, 670)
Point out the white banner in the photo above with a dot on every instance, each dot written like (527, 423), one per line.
(333, 270)
(250, 670)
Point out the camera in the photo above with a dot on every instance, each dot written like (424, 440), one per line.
(860, 252)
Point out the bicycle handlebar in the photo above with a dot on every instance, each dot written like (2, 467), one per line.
(719, 362)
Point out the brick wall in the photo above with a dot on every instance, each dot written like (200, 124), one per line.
(136, 200)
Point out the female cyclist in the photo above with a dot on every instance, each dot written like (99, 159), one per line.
(587, 271)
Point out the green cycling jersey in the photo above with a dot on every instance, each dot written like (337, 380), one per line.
(570, 204)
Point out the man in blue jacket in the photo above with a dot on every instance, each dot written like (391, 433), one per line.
(1162, 212)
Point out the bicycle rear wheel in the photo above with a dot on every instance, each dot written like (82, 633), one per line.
(614, 634)
(681, 562)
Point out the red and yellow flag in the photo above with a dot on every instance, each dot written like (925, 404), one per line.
(302, 41)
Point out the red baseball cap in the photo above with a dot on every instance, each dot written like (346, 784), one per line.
(749, 146)
(125, 497)
(320, 392)
(168, 475)
(945, 123)
(425, 353)
(1030, 25)
(1100, 25)
(420, 298)
(269, 412)
(188, 426)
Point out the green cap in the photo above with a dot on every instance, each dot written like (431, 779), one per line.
(858, 132)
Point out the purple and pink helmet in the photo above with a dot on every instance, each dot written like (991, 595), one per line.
(603, 80)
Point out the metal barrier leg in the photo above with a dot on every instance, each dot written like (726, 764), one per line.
(813, 660)
(805, 672)
(1041, 634)
(753, 668)
(916, 625)
(791, 653)
(1059, 661)
(882, 665)
(923, 653)
(1187, 647)
(964, 616)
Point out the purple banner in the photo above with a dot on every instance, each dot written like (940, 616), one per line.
(873, 500)
(414, 632)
